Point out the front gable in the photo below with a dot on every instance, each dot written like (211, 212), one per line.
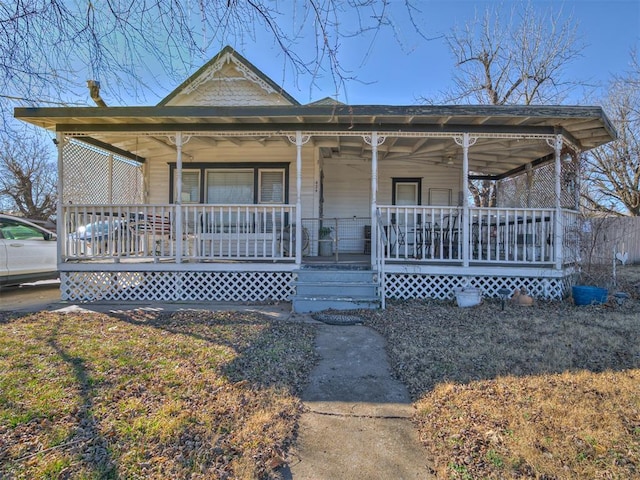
(330, 101)
(228, 80)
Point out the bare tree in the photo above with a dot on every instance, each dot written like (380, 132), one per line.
(518, 60)
(53, 46)
(27, 176)
(483, 192)
(612, 171)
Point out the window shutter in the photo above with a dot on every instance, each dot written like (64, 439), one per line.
(190, 186)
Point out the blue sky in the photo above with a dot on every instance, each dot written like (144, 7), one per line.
(398, 73)
(396, 66)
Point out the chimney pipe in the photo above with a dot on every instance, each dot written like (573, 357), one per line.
(94, 90)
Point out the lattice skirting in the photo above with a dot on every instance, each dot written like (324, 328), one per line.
(440, 287)
(272, 286)
(176, 286)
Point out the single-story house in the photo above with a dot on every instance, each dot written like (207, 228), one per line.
(231, 190)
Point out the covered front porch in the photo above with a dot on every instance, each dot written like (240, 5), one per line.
(420, 251)
(328, 187)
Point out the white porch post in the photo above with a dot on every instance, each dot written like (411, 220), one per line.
(60, 220)
(300, 141)
(558, 234)
(374, 193)
(178, 199)
(465, 142)
(374, 141)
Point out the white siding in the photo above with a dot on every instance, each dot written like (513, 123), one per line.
(157, 181)
(347, 184)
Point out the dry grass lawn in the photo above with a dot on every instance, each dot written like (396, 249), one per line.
(148, 395)
(544, 392)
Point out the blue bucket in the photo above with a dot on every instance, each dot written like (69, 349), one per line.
(587, 295)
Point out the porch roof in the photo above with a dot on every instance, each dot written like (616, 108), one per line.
(508, 136)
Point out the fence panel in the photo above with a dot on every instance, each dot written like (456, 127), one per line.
(602, 237)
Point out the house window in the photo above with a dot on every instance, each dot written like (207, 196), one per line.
(231, 184)
(406, 191)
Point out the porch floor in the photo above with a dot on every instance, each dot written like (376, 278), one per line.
(343, 258)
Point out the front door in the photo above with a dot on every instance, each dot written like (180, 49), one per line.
(346, 206)
(406, 232)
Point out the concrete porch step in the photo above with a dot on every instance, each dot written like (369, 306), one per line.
(320, 289)
(303, 304)
(324, 288)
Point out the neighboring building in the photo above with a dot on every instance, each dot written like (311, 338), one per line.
(203, 196)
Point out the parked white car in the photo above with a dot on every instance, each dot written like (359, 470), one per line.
(28, 252)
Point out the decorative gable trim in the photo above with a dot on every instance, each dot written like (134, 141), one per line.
(208, 73)
(215, 67)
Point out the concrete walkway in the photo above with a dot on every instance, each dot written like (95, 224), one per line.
(357, 424)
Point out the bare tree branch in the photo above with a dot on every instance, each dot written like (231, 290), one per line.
(520, 60)
(27, 176)
(613, 170)
(49, 48)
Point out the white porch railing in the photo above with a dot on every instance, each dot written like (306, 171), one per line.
(496, 235)
(247, 232)
(512, 235)
(206, 232)
(265, 232)
(380, 265)
(422, 233)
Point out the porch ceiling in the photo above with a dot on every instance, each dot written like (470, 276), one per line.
(508, 136)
